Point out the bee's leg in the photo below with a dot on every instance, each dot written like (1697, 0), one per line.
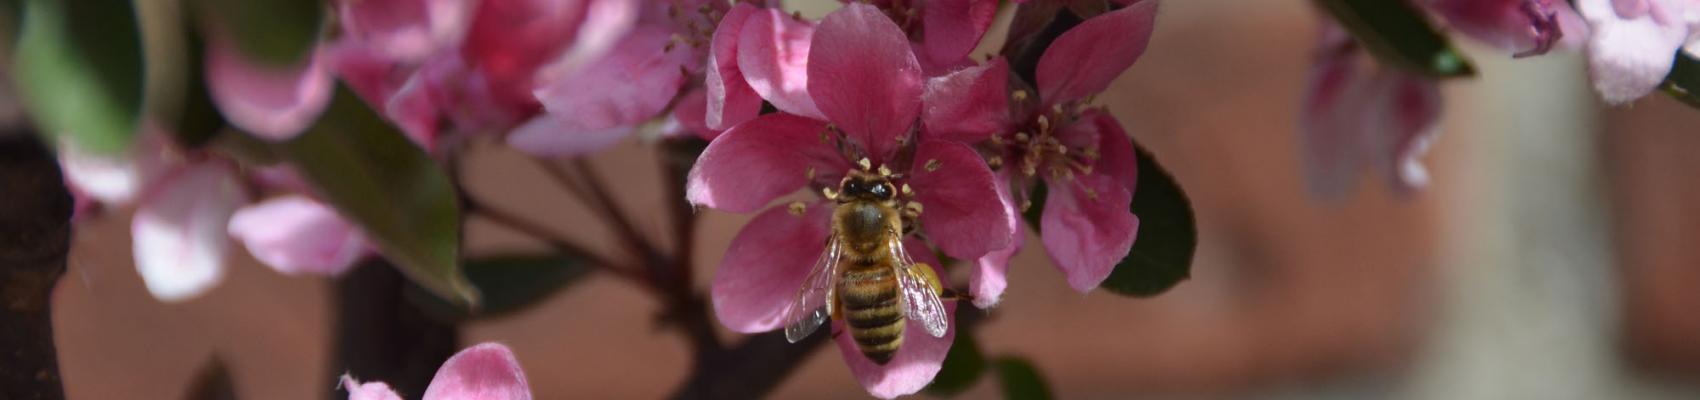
(910, 214)
(949, 294)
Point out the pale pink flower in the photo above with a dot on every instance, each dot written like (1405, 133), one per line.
(1634, 42)
(271, 101)
(296, 235)
(873, 101)
(1358, 115)
(486, 371)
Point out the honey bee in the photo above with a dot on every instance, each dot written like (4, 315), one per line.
(865, 276)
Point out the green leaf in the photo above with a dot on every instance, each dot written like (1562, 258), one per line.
(1161, 256)
(1399, 35)
(1162, 253)
(278, 32)
(78, 69)
(1020, 381)
(509, 283)
(962, 367)
(400, 197)
(1683, 82)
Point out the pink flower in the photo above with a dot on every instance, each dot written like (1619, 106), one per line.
(943, 31)
(1523, 27)
(757, 54)
(1358, 116)
(274, 102)
(181, 206)
(1082, 153)
(295, 235)
(1634, 42)
(871, 97)
(486, 371)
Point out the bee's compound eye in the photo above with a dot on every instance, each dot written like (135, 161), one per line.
(854, 187)
(881, 191)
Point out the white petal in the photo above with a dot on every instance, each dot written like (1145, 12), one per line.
(179, 230)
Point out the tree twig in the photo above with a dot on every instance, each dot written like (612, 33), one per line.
(35, 239)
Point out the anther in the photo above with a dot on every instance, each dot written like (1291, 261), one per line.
(809, 174)
(1022, 136)
(933, 165)
(866, 165)
(1044, 125)
(915, 207)
(1019, 95)
(798, 208)
(907, 191)
(886, 172)
(829, 193)
(994, 162)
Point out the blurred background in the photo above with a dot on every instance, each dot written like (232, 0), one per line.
(1552, 258)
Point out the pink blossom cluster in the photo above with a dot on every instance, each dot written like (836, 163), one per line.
(890, 85)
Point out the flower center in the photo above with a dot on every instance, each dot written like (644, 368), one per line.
(696, 25)
(1040, 148)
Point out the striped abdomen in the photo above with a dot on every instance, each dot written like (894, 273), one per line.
(868, 292)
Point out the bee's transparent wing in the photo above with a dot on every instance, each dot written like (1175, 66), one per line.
(813, 305)
(920, 299)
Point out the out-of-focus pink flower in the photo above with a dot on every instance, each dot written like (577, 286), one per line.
(297, 235)
(405, 30)
(178, 230)
(873, 101)
(1082, 154)
(596, 105)
(1359, 115)
(274, 102)
(1633, 43)
(1522, 27)
(486, 371)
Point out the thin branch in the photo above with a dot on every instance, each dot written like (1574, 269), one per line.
(554, 240)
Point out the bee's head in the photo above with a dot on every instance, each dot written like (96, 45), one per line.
(865, 186)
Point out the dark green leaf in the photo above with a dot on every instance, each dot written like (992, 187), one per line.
(1683, 83)
(1162, 253)
(1020, 381)
(78, 69)
(1399, 35)
(962, 367)
(278, 32)
(509, 283)
(377, 178)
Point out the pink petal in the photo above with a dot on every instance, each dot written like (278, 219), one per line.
(605, 24)
(760, 160)
(487, 371)
(596, 105)
(1331, 138)
(178, 231)
(1083, 61)
(404, 30)
(1407, 112)
(968, 105)
(273, 102)
(117, 178)
(731, 101)
(413, 108)
(952, 28)
(988, 278)
(865, 79)
(296, 235)
(509, 40)
(373, 75)
(1628, 56)
(691, 113)
(1525, 27)
(1087, 228)
(961, 211)
(765, 266)
(557, 136)
(773, 53)
(1116, 157)
(911, 369)
(368, 391)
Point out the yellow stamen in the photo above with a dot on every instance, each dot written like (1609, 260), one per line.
(798, 208)
(866, 165)
(933, 165)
